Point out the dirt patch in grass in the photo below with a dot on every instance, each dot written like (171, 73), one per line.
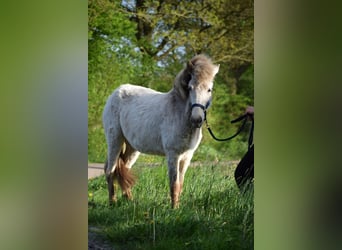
(96, 241)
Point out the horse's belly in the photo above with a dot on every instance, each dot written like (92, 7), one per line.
(144, 139)
(152, 152)
(155, 147)
(146, 145)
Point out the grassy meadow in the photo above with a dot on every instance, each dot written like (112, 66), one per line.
(213, 213)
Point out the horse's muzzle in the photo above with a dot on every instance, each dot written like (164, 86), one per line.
(198, 113)
(196, 121)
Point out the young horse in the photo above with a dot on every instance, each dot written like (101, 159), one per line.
(138, 119)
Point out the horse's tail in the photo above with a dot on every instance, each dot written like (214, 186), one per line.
(125, 177)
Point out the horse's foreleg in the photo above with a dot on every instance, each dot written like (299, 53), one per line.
(175, 194)
(175, 187)
(183, 166)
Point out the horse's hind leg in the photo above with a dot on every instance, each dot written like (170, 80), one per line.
(130, 156)
(110, 183)
(114, 148)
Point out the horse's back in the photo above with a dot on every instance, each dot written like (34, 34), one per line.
(137, 112)
(127, 91)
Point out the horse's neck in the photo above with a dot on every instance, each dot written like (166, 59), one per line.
(179, 102)
(183, 108)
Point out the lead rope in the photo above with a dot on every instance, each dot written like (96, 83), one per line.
(250, 139)
(244, 118)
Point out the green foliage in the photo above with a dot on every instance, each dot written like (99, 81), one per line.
(246, 84)
(213, 213)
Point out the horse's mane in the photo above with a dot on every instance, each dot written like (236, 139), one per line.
(200, 67)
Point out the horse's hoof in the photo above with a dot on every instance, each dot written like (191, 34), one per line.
(128, 195)
(175, 205)
(112, 200)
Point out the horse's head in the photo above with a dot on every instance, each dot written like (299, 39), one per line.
(200, 73)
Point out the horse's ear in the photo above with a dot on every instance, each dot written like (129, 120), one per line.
(189, 66)
(187, 75)
(216, 69)
(187, 78)
(188, 72)
(184, 83)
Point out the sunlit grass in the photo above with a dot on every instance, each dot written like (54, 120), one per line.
(213, 213)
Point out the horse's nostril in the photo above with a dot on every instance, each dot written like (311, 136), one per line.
(197, 121)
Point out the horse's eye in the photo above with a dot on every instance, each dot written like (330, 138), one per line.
(209, 90)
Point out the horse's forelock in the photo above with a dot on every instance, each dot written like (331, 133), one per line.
(202, 68)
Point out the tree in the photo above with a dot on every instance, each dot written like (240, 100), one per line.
(168, 30)
(224, 28)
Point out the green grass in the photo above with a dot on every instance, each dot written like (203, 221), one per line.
(212, 215)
